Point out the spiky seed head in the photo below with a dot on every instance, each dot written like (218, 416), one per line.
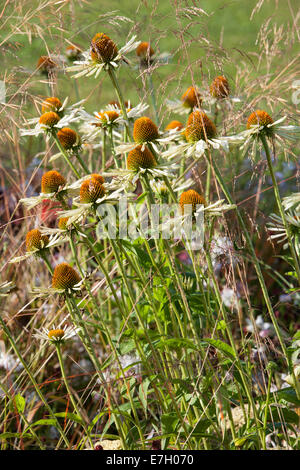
(51, 182)
(56, 335)
(105, 117)
(198, 125)
(45, 64)
(103, 49)
(144, 50)
(139, 158)
(92, 189)
(51, 104)
(64, 277)
(191, 197)
(174, 125)
(191, 98)
(49, 119)
(144, 130)
(35, 240)
(259, 117)
(219, 88)
(62, 223)
(68, 138)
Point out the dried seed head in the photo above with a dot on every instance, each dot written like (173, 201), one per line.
(174, 125)
(92, 189)
(103, 49)
(219, 88)
(49, 119)
(259, 117)
(191, 98)
(198, 125)
(56, 334)
(64, 277)
(51, 182)
(144, 130)
(105, 117)
(62, 223)
(35, 240)
(191, 197)
(45, 64)
(139, 158)
(144, 50)
(51, 104)
(68, 138)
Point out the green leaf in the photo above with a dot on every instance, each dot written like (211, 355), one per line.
(8, 435)
(71, 416)
(221, 346)
(44, 422)
(20, 403)
(169, 422)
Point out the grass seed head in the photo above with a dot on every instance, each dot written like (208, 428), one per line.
(139, 158)
(92, 189)
(103, 49)
(191, 98)
(198, 125)
(191, 197)
(64, 277)
(144, 130)
(35, 240)
(51, 182)
(219, 88)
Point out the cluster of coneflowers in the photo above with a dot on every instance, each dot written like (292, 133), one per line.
(134, 150)
(148, 154)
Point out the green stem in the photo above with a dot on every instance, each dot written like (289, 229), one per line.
(280, 206)
(115, 83)
(62, 368)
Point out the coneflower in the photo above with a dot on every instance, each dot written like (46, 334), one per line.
(103, 49)
(139, 158)
(191, 98)
(49, 119)
(73, 53)
(106, 117)
(192, 198)
(261, 118)
(51, 104)
(51, 182)
(35, 241)
(56, 335)
(62, 223)
(144, 130)
(68, 138)
(219, 88)
(92, 189)
(174, 125)
(144, 50)
(64, 277)
(45, 64)
(199, 127)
